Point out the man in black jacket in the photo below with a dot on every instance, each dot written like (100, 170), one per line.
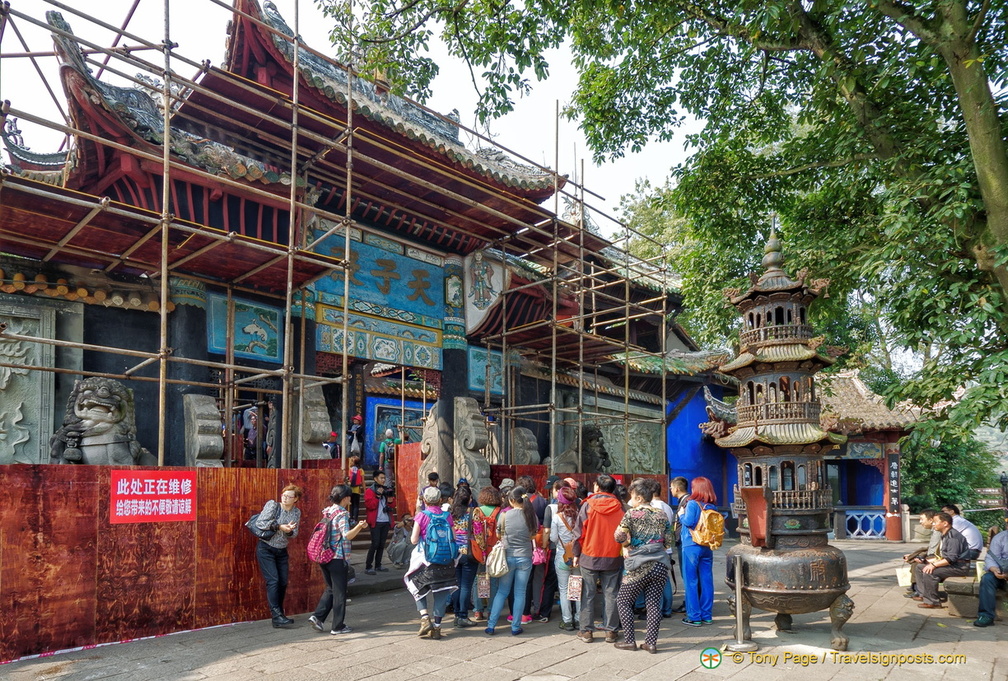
(951, 560)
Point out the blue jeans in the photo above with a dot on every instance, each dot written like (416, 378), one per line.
(273, 566)
(519, 571)
(440, 605)
(989, 585)
(465, 573)
(563, 574)
(698, 582)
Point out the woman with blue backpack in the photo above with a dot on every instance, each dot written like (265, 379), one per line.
(515, 528)
(430, 577)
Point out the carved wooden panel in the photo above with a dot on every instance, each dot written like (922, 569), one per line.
(145, 574)
(68, 577)
(47, 565)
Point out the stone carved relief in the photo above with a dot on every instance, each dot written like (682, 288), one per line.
(644, 454)
(204, 439)
(470, 441)
(313, 428)
(435, 458)
(524, 447)
(26, 402)
(99, 427)
(594, 457)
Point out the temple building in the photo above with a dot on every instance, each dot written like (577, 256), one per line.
(266, 250)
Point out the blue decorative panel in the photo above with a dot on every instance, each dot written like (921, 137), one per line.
(382, 413)
(479, 358)
(388, 279)
(378, 339)
(257, 329)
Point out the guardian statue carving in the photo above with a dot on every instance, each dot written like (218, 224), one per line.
(99, 427)
(594, 457)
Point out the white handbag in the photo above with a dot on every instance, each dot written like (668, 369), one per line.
(496, 562)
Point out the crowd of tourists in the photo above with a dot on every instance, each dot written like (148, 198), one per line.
(513, 552)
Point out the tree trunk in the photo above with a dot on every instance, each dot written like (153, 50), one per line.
(983, 127)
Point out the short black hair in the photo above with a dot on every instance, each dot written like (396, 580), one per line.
(432, 476)
(606, 483)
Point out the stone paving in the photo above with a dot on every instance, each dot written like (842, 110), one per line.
(384, 645)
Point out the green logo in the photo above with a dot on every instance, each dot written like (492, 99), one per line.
(710, 658)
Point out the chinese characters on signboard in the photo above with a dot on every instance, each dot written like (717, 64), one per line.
(152, 496)
(892, 473)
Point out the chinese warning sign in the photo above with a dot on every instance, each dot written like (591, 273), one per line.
(152, 496)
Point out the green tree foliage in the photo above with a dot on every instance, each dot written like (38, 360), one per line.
(874, 130)
(943, 464)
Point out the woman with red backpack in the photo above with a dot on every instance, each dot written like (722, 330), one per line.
(484, 536)
(335, 571)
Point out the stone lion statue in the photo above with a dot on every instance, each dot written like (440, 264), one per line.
(99, 427)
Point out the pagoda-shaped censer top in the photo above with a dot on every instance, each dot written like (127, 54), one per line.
(778, 357)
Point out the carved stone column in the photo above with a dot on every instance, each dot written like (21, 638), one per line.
(204, 439)
(470, 441)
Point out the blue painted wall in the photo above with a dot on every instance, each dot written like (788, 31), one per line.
(690, 453)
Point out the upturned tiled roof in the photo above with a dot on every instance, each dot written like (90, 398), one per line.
(794, 352)
(676, 361)
(402, 115)
(857, 408)
(779, 434)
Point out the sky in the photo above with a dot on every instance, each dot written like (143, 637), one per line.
(199, 29)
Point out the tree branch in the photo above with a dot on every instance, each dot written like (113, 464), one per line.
(904, 15)
(978, 21)
(797, 170)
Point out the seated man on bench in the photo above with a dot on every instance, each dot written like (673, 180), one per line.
(994, 578)
(950, 561)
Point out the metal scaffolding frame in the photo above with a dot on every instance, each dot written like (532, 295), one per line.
(552, 246)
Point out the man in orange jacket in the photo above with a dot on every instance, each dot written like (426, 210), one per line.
(599, 556)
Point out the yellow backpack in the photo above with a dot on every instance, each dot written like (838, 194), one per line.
(709, 530)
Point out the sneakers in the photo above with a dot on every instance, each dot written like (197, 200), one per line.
(344, 630)
(425, 626)
(462, 622)
(382, 569)
(515, 632)
(585, 636)
(316, 625)
(369, 571)
(524, 620)
(542, 618)
(611, 637)
(707, 621)
(567, 626)
(489, 631)
(983, 621)
(692, 623)
(478, 616)
(436, 633)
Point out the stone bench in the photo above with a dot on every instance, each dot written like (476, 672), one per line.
(964, 596)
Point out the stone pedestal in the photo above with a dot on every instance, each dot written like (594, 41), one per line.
(204, 439)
